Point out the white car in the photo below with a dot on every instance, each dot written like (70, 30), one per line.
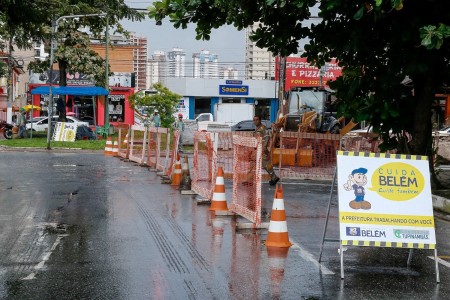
(42, 125)
(443, 132)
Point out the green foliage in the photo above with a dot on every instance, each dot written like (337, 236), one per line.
(3, 68)
(164, 100)
(377, 42)
(30, 19)
(433, 37)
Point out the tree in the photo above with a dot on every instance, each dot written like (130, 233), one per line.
(73, 53)
(2, 68)
(163, 100)
(378, 43)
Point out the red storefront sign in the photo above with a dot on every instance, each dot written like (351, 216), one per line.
(300, 73)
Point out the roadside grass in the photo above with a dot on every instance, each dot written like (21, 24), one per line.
(39, 140)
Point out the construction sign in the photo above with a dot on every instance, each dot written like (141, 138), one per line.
(385, 200)
(65, 132)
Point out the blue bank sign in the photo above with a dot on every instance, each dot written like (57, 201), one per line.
(233, 89)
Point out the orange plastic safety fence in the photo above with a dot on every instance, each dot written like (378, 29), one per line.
(138, 144)
(225, 150)
(247, 178)
(171, 159)
(203, 173)
(164, 150)
(152, 146)
(123, 134)
(358, 143)
(306, 155)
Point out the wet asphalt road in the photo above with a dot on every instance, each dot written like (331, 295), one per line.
(84, 226)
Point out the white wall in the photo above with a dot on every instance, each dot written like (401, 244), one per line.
(199, 87)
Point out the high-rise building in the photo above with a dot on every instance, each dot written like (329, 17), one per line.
(228, 73)
(157, 68)
(259, 62)
(206, 65)
(140, 58)
(176, 62)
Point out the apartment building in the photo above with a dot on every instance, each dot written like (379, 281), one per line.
(140, 59)
(228, 73)
(259, 62)
(157, 71)
(205, 65)
(176, 62)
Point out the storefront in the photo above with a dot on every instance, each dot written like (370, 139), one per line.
(201, 95)
(86, 103)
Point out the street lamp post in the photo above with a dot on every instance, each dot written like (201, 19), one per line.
(52, 57)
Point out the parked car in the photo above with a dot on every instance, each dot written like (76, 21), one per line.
(443, 132)
(247, 125)
(42, 124)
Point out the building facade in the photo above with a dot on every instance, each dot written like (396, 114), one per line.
(202, 95)
(228, 73)
(140, 58)
(176, 62)
(205, 65)
(157, 71)
(259, 62)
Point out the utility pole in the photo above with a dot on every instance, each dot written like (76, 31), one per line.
(10, 81)
(281, 85)
(106, 123)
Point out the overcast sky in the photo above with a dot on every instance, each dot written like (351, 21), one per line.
(227, 42)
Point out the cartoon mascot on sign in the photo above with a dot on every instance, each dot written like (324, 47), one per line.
(356, 181)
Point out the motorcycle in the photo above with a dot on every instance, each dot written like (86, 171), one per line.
(7, 129)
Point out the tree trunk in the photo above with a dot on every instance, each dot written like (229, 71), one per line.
(422, 143)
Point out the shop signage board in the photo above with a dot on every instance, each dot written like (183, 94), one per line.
(233, 90)
(385, 200)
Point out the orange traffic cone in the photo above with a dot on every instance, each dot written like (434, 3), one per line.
(115, 148)
(108, 147)
(176, 176)
(219, 200)
(278, 235)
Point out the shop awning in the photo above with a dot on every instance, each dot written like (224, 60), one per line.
(71, 90)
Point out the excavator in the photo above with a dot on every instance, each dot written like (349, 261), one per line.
(310, 110)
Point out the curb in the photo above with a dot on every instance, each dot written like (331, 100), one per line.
(441, 204)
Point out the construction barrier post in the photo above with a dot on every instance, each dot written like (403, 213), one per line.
(176, 176)
(108, 147)
(219, 200)
(278, 235)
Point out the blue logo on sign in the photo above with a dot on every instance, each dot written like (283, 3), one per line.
(353, 231)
